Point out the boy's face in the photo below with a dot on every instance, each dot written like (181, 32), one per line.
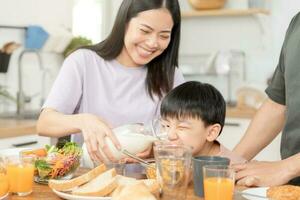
(187, 131)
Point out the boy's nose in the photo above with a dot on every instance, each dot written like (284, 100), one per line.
(172, 135)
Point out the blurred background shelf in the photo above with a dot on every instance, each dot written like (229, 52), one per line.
(225, 12)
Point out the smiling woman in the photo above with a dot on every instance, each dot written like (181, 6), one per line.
(119, 81)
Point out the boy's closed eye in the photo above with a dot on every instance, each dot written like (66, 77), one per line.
(184, 125)
(182, 128)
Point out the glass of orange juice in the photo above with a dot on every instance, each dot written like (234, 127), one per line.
(3, 179)
(218, 182)
(20, 171)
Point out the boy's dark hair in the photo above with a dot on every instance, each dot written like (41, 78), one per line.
(196, 100)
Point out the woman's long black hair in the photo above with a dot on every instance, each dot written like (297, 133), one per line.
(161, 70)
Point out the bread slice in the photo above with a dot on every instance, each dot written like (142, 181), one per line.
(124, 180)
(151, 184)
(66, 185)
(102, 185)
(137, 191)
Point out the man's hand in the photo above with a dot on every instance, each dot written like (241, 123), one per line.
(257, 173)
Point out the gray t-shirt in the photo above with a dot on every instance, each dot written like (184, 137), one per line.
(87, 83)
(285, 89)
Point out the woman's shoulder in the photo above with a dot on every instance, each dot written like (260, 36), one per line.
(84, 53)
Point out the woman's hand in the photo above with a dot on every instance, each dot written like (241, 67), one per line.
(145, 154)
(258, 173)
(94, 131)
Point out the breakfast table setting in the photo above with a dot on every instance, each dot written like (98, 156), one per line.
(41, 191)
(66, 171)
(135, 170)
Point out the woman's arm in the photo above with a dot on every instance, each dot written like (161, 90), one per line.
(55, 124)
(265, 126)
(94, 130)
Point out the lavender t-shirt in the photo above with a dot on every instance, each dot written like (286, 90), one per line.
(89, 84)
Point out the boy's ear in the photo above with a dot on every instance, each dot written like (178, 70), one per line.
(213, 132)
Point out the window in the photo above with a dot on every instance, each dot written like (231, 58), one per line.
(88, 19)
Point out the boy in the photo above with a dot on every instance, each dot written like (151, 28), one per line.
(193, 114)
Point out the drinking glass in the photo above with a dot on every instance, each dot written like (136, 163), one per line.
(198, 163)
(173, 166)
(4, 186)
(118, 165)
(20, 172)
(158, 129)
(218, 182)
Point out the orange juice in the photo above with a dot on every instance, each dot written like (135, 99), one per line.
(218, 188)
(20, 177)
(3, 184)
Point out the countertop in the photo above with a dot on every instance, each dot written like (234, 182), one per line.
(16, 127)
(21, 127)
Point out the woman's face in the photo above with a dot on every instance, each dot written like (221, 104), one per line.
(147, 36)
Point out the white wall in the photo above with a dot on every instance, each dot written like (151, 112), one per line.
(54, 13)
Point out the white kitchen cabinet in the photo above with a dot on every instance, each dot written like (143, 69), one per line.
(28, 141)
(234, 130)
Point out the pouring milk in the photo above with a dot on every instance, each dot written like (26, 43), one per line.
(131, 138)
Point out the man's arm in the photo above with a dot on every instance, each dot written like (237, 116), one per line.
(265, 126)
(268, 173)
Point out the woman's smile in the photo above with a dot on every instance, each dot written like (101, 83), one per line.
(144, 52)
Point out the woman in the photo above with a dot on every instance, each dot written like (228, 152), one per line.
(118, 81)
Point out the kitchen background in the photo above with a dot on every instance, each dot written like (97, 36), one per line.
(237, 52)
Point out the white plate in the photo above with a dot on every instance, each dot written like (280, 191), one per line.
(77, 197)
(261, 191)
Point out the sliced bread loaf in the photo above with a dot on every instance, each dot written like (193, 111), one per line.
(151, 184)
(102, 185)
(137, 191)
(66, 185)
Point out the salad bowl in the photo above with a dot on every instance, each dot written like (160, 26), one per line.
(53, 162)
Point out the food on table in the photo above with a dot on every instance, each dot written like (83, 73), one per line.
(172, 171)
(138, 191)
(66, 185)
(151, 184)
(100, 182)
(284, 192)
(102, 185)
(151, 172)
(54, 162)
(35, 152)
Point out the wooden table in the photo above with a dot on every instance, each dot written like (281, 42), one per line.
(43, 192)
